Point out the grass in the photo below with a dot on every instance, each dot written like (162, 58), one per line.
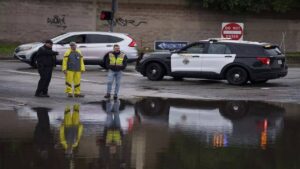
(7, 49)
(293, 54)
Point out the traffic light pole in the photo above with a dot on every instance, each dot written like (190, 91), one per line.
(113, 9)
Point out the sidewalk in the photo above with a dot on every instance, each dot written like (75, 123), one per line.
(7, 57)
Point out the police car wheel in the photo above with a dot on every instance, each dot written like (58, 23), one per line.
(234, 110)
(33, 63)
(237, 76)
(154, 71)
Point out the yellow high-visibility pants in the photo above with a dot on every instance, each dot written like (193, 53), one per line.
(73, 78)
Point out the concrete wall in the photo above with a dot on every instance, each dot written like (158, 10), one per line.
(146, 21)
(179, 22)
(32, 20)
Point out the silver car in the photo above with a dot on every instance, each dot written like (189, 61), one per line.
(93, 45)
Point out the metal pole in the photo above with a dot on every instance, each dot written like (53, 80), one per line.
(113, 10)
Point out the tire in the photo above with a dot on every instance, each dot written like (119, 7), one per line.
(33, 63)
(258, 81)
(237, 76)
(234, 110)
(153, 107)
(155, 71)
(102, 63)
(103, 66)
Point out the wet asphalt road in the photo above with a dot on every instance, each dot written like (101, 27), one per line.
(199, 123)
(18, 83)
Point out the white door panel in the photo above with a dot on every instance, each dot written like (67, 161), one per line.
(61, 49)
(185, 62)
(216, 62)
(93, 51)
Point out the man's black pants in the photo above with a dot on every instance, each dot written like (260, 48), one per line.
(45, 78)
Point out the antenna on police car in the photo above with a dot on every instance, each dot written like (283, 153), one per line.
(282, 44)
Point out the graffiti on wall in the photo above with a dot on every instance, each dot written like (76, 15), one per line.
(58, 21)
(126, 22)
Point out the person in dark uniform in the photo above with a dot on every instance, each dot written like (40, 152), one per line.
(46, 60)
(43, 140)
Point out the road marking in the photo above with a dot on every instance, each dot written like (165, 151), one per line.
(132, 74)
(60, 77)
(19, 72)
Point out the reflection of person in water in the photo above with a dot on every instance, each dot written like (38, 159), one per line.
(71, 129)
(111, 142)
(43, 137)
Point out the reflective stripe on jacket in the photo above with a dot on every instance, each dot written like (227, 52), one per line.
(116, 61)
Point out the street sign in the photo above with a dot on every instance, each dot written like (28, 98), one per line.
(234, 31)
(169, 45)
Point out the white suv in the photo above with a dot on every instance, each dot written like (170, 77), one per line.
(93, 45)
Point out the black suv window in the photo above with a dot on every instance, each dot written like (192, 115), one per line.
(218, 49)
(273, 51)
(195, 48)
(248, 50)
(102, 39)
(74, 38)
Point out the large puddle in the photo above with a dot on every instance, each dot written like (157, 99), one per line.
(151, 133)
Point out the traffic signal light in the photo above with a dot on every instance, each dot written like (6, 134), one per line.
(106, 15)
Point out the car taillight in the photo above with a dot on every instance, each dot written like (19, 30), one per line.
(132, 43)
(264, 60)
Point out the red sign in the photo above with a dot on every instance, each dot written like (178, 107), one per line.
(233, 31)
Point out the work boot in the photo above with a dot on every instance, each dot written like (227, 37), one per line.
(115, 97)
(45, 95)
(107, 96)
(78, 95)
(70, 95)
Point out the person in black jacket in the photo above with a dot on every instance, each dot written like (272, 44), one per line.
(116, 61)
(46, 60)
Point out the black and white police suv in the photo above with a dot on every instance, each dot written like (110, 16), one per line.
(236, 61)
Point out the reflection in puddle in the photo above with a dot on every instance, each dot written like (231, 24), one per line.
(70, 130)
(150, 133)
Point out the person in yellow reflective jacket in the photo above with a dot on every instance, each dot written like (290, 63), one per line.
(72, 66)
(116, 61)
(71, 129)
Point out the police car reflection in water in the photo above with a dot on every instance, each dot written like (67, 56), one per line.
(218, 123)
(70, 130)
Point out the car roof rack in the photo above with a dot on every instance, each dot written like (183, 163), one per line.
(218, 39)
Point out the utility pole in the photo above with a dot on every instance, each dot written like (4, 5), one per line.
(113, 10)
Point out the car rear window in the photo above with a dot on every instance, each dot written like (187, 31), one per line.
(273, 51)
(74, 38)
(102, 39)
(248, 50)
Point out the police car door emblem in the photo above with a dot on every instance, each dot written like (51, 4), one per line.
(186, 61)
